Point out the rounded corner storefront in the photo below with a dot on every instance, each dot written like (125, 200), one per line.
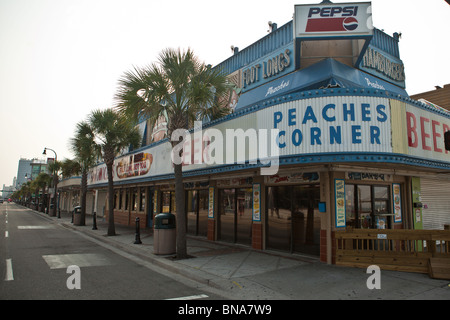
(353, 150)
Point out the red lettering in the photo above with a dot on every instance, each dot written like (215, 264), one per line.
(436, 135)
(412, 130)
(425, 135)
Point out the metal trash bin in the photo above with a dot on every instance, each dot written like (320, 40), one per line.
(76, 216)
(164, 235)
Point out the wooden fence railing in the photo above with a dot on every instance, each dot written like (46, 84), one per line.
(401, 250)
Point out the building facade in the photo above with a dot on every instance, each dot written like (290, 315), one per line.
(23, 172)
(323, 137)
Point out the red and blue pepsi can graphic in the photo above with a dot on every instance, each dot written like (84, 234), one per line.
(332, 24)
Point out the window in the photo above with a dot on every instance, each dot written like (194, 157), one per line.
(368, 206)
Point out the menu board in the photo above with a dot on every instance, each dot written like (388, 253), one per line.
(256, 202)
(339, 189)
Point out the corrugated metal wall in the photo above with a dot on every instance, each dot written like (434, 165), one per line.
(273, 41)
(385, 42)
(435, 195)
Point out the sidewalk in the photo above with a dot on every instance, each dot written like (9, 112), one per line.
(240, 273)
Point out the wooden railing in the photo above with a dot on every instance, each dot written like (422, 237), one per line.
(401, 250)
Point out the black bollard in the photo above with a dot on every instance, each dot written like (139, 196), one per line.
(138, 236)
(94, 222)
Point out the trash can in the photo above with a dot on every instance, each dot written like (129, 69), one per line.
(164, 235)
(76, 216)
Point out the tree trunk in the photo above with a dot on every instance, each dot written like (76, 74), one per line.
(181, 213)
(55, 194)
(111, 226)
(83, 197)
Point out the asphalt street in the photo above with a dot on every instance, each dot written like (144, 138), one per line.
(36, 256)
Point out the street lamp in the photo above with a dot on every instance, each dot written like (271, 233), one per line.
(55, 182)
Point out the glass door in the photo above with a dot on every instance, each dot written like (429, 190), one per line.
(364, 207)
(244, 215)
(226, 230)
(293, 220)
(382, 206)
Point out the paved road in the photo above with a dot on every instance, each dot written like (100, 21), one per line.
(36, 253)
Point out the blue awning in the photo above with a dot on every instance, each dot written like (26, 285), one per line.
(324, 74)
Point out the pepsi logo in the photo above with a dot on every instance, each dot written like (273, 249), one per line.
(350, 24)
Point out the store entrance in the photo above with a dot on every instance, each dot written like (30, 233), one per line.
(293, 221)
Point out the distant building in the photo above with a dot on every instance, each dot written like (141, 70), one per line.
(37, 166)
(7, 191)
(440, 96)
(23, 172)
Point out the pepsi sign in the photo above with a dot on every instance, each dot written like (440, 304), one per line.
(343, 19)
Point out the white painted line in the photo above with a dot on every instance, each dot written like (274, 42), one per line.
(6, 234)
(34, 227)
(200, 296)
(9, 270)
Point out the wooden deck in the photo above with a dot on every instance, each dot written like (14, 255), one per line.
(423, 251)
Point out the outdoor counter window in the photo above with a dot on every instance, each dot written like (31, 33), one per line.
(164, 238)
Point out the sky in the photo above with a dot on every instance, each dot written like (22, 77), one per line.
(61, 59)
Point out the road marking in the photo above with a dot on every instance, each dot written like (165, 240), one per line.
(200, 296)
(6, 234)
(34, 227)
(9, 270)
(62, 261)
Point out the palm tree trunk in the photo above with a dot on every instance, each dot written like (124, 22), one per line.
(55, 194)
(111, 226)
(181, 213)
(83, 197)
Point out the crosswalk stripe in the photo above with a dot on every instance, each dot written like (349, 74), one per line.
(62, 261)
(200, 296)
(9, 270)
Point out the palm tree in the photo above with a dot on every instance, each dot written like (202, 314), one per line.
(111, 135)
(185, 90)
(41, 182)
(54, 167)
(83, 146)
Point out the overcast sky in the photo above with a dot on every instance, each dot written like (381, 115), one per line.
(60, 59)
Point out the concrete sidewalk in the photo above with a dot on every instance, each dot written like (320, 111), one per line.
(240, 273)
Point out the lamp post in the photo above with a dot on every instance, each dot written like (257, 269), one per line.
(55, 182)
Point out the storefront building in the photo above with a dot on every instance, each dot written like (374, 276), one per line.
(330, 139)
